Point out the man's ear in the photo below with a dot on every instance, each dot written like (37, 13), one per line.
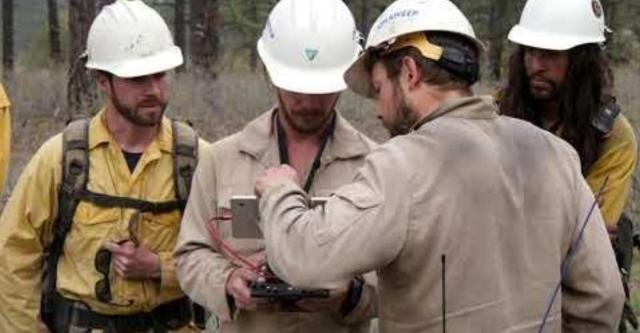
(103, 81)
(410, 72)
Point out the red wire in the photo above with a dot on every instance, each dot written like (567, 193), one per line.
(214, 232)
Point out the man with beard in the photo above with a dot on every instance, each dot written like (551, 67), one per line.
(87, 235)
(5, 137)
(305, 59)
(471, 219)
(559, 80)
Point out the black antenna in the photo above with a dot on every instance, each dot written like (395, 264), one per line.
(572, 250)
(444, 297)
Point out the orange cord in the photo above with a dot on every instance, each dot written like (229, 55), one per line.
(213, 229)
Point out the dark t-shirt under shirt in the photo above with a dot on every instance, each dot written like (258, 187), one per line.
(132, 159)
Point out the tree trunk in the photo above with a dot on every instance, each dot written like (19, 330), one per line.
(204, 35)
(611, 20)
(365, 16)
(7, 38)
(54, 32)
(253, 52)
(179, 28)
(610, 11)
(81, 90)
(102, 3)
(497, 24)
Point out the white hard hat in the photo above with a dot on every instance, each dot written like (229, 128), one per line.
(130, 39)
(404, 18)
(559, 24)
(306, 45)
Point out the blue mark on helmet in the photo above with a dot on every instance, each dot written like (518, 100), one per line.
(311, 54)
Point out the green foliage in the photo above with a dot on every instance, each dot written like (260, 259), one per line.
(37, 54)
(242, 21)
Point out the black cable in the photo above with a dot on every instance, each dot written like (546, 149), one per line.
(283, 149)
(444, 297)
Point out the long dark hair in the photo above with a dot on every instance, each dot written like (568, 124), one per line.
(587, 77)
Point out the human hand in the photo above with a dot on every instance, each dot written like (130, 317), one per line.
(134, 262)
(274, 176)
(237, 286)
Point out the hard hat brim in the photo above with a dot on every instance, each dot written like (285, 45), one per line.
(156, 63)
(304, 81)
(549, 41)
(358, 78)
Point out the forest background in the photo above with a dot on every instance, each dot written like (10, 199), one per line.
(222, 84)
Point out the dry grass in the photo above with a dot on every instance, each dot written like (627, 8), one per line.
(217, 108)
(221, 107)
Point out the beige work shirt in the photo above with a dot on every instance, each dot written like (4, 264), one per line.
(230, 167)
(501, 199)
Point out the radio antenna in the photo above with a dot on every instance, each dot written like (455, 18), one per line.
(572, 250)
(444, 296)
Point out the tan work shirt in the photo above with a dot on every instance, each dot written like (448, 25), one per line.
(230, 167)
(501, 199)
(5, 137)
(27, 222)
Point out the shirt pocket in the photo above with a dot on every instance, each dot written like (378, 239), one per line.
(89, 214)
(92, 227)
(159, 231)
(92, 224)
(347, 207)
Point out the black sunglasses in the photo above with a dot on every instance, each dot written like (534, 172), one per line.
(103, 266)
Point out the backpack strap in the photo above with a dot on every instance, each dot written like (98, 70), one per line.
(185, 159)
(75, 174)
(604, 120)
(110, 201)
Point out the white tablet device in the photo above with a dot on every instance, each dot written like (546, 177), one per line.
(245, 215)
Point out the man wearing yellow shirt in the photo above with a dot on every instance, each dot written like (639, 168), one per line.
(560, 80)
(87, 235)
(5, 137)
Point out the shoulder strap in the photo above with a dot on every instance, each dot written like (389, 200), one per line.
(185, 159)
(606, 116)
(75, 173)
